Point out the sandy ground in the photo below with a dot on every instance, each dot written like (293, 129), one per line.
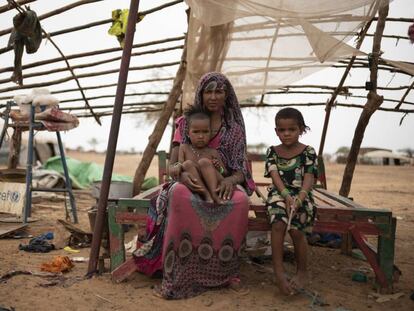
(330, 271)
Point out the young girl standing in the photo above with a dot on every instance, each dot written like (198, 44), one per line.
(293, 168)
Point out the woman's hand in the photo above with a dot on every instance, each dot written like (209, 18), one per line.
(190, 182)
(226, 187)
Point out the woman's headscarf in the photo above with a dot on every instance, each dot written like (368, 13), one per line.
(232, 148)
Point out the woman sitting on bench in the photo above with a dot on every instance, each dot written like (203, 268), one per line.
(196, 243)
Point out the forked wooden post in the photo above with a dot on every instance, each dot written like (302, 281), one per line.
(374, 101)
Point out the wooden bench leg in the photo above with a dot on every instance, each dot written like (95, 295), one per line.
(386, 248)
(371, 257)
(116, 237)
(122, 272)
(346, 244)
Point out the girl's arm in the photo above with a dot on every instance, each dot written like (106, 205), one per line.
(278, 183)
(310, 169)
(307, 185)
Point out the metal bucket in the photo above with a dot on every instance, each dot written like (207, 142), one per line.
(117, 190)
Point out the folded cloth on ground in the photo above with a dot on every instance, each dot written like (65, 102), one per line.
(47, 178)
(58, 264)
(39, 244)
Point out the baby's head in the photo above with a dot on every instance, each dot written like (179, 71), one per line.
(199, 130)
(292, 114)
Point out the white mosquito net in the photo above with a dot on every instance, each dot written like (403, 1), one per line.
(261, 45)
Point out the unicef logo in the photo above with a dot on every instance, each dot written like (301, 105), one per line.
(15, 196)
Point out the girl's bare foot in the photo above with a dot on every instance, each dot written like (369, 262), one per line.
(299, 280)
(283, 284)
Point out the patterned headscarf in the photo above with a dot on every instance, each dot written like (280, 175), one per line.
(232, 148)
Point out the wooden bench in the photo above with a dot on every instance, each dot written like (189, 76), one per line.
(335, 214)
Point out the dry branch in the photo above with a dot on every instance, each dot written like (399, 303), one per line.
(8, 7)
(92, 53)
(331, 101)
(141, 104)
(85, 75)
(404, 96)
(20, 9)
(87, 65)
(113, 95)
(373, 103)
(286, 89)
(93, 24)
(54, 12)
(254, 105)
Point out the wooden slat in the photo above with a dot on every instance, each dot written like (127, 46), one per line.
(129, 218)
(122, 272)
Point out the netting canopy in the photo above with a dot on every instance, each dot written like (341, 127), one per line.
(262, 45)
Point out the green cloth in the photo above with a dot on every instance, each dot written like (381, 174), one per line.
(119, 24)
(83, 174)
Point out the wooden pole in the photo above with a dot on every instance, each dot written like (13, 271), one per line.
(9, 7)
(161, 124)
(113, 138)
(15, 146)
(404, 96)
(373, 103)
(339, 89)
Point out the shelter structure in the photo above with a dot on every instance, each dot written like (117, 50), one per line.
(263, 46)
(382, 157)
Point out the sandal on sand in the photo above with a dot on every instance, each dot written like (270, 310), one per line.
(236, 286)
(157, 293)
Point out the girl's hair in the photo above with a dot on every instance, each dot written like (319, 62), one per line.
(196, 113)
(292, 113)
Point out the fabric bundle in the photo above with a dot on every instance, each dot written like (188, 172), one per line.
(26, 32)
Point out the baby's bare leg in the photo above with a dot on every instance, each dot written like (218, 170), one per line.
(301, 253)
(192, 168)
(277, 239)
(209, 173)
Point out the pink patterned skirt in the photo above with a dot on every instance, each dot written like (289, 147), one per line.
(195, 243)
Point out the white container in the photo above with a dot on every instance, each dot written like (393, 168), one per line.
(117, 190)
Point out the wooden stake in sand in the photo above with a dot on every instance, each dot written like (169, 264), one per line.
(292, 209)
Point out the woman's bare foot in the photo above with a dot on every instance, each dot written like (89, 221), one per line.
(299, 280)
(283, 284)
(236, 285)
(156, 292)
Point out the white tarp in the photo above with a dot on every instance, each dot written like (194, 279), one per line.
(266, 44)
